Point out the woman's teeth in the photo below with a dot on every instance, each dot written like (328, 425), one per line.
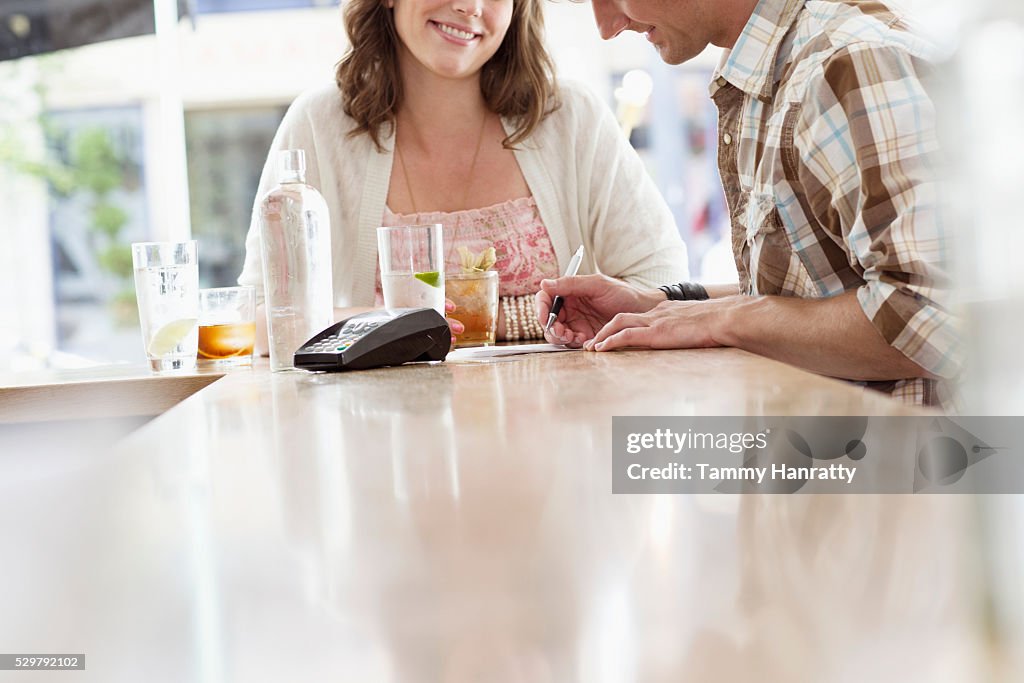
(456, 33)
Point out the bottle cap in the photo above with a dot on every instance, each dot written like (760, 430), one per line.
(293, 163)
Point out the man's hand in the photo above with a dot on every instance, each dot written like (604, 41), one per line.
(670, 325)
(590, 302)
(829, 336)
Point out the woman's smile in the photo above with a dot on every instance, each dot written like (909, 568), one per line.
(456, 34)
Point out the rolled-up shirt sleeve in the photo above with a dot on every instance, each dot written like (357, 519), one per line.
(867, 135)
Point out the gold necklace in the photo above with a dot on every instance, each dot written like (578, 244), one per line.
(469, 182)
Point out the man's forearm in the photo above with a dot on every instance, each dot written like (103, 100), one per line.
(721, 291)
(828, 336)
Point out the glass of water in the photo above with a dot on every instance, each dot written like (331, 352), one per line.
(412, 266)
(167, 289)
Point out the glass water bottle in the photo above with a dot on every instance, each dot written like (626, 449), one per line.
(295, 238)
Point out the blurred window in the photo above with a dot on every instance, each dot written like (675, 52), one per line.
(226, 151)
(97, 209)
(29, 27)
(211, 6)
(676, 134)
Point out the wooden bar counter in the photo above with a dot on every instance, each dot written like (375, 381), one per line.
(109, 391)
(455, 523)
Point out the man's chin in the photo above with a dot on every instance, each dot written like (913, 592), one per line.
(671, 56)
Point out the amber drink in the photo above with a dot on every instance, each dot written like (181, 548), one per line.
(230, 340)
(227, 326)
(476, 306)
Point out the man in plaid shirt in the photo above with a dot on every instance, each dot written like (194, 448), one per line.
(828, 155)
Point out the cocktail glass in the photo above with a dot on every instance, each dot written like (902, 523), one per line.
(227, 326)
(167, 290)
(476, 305)
(412, 266)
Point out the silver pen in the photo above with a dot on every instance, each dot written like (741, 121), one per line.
(556, 305)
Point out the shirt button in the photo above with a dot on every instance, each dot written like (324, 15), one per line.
(721, 81)
(727, 139)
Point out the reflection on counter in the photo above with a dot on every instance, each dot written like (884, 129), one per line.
(455, 523)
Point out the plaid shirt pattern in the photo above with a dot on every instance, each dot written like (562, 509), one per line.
(828, 154)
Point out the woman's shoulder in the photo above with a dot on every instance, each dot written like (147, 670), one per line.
(316, 121)
(578, 106)
(338, 164)
(323, 102)
(576, 93)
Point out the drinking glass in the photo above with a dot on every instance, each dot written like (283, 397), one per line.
(476, 305)
(167, 289)
(412, 266)
(227, 326)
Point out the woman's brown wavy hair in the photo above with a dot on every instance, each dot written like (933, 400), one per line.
(517, 82)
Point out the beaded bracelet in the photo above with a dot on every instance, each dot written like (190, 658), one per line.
(520, 318)
(529, 314)
(524, 321)
(538, 324)
(524, 318)
(511, 319)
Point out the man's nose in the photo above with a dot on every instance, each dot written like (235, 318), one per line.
(610, 21)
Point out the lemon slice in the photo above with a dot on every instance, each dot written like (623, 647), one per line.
(433, 278)
(169, 336)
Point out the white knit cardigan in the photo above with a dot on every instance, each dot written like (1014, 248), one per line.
(589, 184)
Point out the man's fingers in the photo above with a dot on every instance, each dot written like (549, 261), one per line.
(564, 335)
(573, 339)
(552, 286)
(551, 337)
(578, 285)
(630, 336)
(621, 321)
(542, 303)
(559, 334)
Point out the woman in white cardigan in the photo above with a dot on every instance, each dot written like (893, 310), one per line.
(446, 111)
